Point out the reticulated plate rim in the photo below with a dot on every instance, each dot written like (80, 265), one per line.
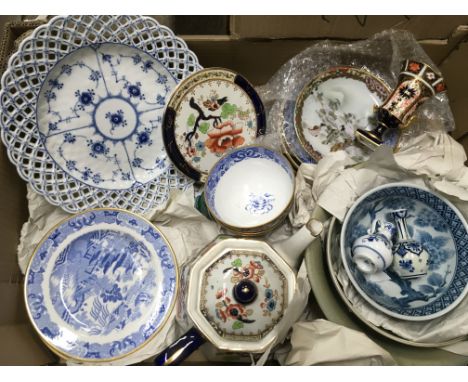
(45, 175)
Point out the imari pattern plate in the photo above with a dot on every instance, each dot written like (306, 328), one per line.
(101, 285)
(82, 106)
(434, 223)
(210, 113)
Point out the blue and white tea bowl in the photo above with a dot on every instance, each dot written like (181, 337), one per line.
(441, 230)
(249, 191)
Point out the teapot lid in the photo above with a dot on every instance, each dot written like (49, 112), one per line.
(238, 292)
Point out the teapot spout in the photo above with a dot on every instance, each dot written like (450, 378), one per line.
(293, 247)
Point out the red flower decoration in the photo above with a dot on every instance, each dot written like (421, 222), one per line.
(414, 67)
(223, 137)
(440, 87)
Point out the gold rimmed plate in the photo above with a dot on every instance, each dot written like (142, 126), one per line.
(101, 285)
(333, 105)
(209, 114)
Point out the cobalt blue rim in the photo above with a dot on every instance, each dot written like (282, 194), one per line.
(34, 281)
(168, 125)
(458, 228)
(229, 160)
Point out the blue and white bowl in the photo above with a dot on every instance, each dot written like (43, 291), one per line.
(250, 190)
(442, 231)
(101, 285)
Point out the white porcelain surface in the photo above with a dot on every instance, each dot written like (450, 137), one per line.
(81, 110)
(100, 113)
(372, 253)
(333, 106)
(214, 272)
(439, 228)
(250, 187)
(253, 193)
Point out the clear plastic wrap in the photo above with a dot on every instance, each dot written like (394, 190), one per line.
(381, 54)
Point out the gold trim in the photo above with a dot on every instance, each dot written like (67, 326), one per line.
(303, 95)
(261, 229)
(163, 323)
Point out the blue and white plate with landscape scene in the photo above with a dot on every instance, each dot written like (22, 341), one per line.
(82, 106)
(101, 285)
(438, 226)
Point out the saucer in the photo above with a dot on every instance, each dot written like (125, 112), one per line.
(438, 226)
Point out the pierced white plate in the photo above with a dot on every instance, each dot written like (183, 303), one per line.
(82, 103)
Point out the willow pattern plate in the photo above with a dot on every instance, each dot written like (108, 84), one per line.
(82, 104)
(442, 231)
(333, 106)
(101, 285)
(210, 113)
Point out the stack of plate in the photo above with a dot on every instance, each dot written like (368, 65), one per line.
(328, 111)
(395, 309)
(97, 113)
(101, 286)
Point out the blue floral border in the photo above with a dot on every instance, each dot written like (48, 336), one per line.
(460, 236)
(236, 156)
(34, 293)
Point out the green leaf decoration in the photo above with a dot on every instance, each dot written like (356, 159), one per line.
(191, 120)
(227, 110)
(237, 325)
(203, 127)
(237, 263)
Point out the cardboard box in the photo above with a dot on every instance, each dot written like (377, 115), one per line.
(253, 50)
(342, 27)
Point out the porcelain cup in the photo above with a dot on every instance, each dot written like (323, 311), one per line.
(249, 191)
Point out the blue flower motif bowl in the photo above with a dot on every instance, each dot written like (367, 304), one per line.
(249, 191)
(437, 227)
(101, 285)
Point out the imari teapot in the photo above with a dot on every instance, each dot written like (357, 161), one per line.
(238, 292)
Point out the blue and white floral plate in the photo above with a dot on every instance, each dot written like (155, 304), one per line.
(101, 285)
(82, 105)
(438, 226)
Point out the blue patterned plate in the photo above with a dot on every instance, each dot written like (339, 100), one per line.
(101, 285)
(438, 226)
(82, 104)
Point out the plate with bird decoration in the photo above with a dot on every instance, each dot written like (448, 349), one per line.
(210, 112)
(332, 106)
(101, 285)
(82, 105)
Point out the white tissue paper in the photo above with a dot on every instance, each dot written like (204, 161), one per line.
(436, 161)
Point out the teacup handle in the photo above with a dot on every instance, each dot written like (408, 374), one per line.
(176, 353)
